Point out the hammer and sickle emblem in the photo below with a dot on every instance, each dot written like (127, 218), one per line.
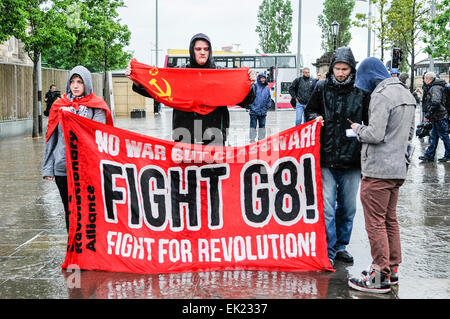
(154, 71)
(161, 93)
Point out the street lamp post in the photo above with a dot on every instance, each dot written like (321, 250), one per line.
(334, 32)
(156, 34)
(299, 42)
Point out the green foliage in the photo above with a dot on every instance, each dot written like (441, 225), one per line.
(34, 22)
(405, 18)
(12, 20)
(339, 10)
(275, 26)
(437, 32)
(97, 37)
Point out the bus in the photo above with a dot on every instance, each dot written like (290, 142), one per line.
(280, 70)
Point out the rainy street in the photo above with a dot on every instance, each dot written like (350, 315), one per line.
(33, 235)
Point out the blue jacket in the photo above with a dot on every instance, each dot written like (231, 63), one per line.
(262, 100)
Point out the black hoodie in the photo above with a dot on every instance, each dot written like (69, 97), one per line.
(336, 102)
(191, 127)
(192, 62)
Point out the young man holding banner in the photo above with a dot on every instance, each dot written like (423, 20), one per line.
(81, 100)
(214, 125)
(334, 100)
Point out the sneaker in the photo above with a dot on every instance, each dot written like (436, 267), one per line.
(394, 275)
(344, 255)
(425, 159)
(374, 282)
(444, 159)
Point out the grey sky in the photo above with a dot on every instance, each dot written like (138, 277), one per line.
(226, 22)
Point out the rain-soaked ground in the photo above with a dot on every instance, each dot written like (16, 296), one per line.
(33, 236)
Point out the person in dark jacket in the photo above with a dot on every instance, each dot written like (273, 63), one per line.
(437, 115)
(50, 97)
(301, 89)
(259, 108)
(404, 77)
(214, 125)
(335, 102)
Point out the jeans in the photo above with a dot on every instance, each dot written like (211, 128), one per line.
(340, 188)
(439, 130)
(254, 120)
(299, 110)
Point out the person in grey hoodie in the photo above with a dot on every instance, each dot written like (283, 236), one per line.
(385, 156)
(79, 86)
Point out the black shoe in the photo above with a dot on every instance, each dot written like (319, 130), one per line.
(344, 256)
(374, 281)
(444, 159)
(425, 159)
(394, 275)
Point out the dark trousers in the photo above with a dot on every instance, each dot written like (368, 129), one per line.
(379, 201)
(61, 182)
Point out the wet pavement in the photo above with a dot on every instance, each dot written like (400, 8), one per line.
(33, 236)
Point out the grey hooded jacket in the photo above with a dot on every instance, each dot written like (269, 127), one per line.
(54, 163)
(385, 141)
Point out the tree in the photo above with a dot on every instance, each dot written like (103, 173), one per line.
(109, 37)
(405, 18)
(437, 32)
(39, 29)
(275, 26)
(339, 10)
(98, 38)
(11, 19)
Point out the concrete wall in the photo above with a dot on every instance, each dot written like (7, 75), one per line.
(16, 95)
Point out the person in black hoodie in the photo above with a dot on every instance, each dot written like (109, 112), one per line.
(336, 103)
(214, 125)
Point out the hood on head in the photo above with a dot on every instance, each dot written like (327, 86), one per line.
(261, 75)
(85, 74)
(438, 81)
(370, 73)
(193, 63)
(345, 55)
(394, 71)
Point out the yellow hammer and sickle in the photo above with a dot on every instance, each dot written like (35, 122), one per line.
(161, 93)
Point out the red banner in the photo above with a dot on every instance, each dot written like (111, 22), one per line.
(193, 90)
(145, 205)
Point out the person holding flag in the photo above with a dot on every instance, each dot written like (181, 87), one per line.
(215, 124)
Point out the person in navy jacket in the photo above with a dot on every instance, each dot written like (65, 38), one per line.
(259, 108)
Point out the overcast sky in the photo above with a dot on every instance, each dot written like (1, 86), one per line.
(226, 22)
